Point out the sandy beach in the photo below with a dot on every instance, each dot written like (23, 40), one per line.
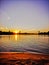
(14, 58)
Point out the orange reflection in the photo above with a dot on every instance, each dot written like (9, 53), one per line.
(16, 37)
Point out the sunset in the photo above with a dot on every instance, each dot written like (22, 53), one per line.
(24, 32)
(26, 14)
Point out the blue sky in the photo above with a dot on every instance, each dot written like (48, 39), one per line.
(24, 14)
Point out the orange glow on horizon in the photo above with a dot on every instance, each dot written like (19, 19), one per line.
(46, 29)
(15, 31)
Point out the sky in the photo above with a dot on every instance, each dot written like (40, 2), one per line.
(24, 14)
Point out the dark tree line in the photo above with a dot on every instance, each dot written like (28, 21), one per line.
(25, 33)
(6, 33)
(43, 33)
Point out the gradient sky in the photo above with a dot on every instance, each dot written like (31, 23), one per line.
(24, 14)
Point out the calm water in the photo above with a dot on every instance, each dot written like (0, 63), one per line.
(24, 43)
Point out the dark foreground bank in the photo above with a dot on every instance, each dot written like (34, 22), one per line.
(14, 58)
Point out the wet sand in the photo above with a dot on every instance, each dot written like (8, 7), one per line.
(14, 58)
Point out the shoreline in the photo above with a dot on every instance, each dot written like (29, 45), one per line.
(25, 55)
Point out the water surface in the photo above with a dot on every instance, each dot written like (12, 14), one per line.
(24, 43)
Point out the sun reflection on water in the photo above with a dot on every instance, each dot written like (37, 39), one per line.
(16, 37)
